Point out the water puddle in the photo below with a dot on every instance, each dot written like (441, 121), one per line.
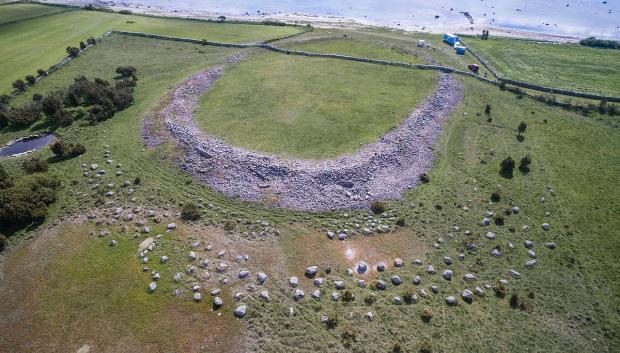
(26, 144)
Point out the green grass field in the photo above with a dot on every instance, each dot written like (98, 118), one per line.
(18, 12)
(68, 277)
(41, 42)
(313, 101)
(567, 66)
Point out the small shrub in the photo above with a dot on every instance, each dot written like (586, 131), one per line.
(137, 181)
(41, 72)
(72, 51)
(514, 300)
(51, 104)
(5, 179)
(507, 167)
(19, 85)
(126, 71)
(487, 109)
(426, 346)
(332, 322)
(499, 219)
(400, 222)
(31, 79)
(426, 315)
(521, 128)
(37, 97)
(190, 212)
(59, 148)
(229, 225)
(524, 165)
(35, 165)
(500, 290)
(408, 295)
(348, 296)
(3, 241)
(78, 149)
(91, 41)
(370, 299)
(496, 197)
(377, 207)
(82, 45)
(424, 178)
(348, 338)
(397, 349)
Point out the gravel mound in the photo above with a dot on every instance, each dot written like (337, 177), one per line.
(380, 170)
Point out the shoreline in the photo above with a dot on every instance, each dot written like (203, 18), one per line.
(314, 20)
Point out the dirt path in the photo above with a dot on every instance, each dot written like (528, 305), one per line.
(380, 170)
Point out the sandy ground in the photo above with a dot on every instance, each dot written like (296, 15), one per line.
(316, 21)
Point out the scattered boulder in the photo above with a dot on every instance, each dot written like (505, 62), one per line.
(450, 300)
(299, 294)
(164, 259)
(264, 295)
(396, 280)
(447, 274)
(381, 285)
(469, 277)
(293, 281)
(192, 256)
(362, 267)
(479, 291)
(530, 263)
(447, 260)
(550, 246)
(152, 287)
(430, 270)
(316, 294)
(261, 277)
(311, 271)
(514, 274)
(380, 267)
(243, 274)
(398, 262)
(490, 235)
(335, 296)
(467, 295)
(369, 316)
(545, 226)
(217, 302)
(197, 297)
(240, 311)
(339, 284)
(318, 281)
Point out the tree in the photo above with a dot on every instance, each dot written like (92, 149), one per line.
(59, 148)
(25, 115)
(41, 72)
(31, 79)
(222, 18)
(521, 128)
(190, 212)
(91, 41)
(37, 97)
(82, 45)
(377, 207)
(72, 51)
(19, 85)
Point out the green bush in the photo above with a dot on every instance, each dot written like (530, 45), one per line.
(64, 150)
(41, 72)
(524, 165)
(31, 79)
(426, 315)
(126, 71)
(73, 51)
(5, 178)
(377, 207)
(37, 97)
(507, 167)
(348, 296)
(27, 201)
(19, 85)
(424, 178)
(35, 165)
(190, 212)
(25, 115)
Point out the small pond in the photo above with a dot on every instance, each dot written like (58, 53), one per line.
(26, 144)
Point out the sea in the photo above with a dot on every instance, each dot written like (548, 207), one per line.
(575, 18)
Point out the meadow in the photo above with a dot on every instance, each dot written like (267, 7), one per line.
(567, 66)
(66, 274)
(43, 40)
(305, 117)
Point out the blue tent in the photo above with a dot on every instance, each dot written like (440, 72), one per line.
(450, 38)
(460, 50)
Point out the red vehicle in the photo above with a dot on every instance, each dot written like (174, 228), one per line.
(473, 68)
